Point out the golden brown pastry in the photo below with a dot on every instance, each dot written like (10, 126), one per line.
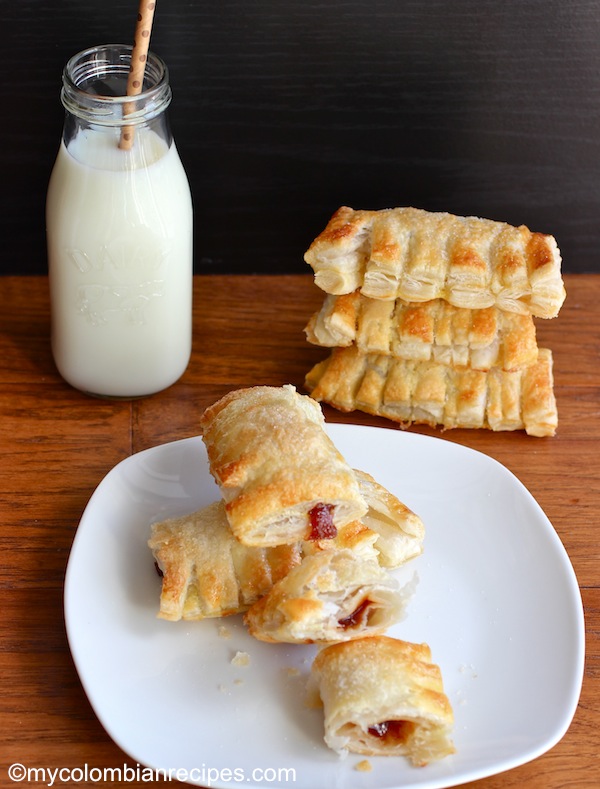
(389, 532)
(400, 532)
(418, 255)
(330, 596)
(206, 572)
(422, 331)
(355, 536)
(435, 394)
(280, 474)
(383, 697)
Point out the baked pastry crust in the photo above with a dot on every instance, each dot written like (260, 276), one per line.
(331, 595)
(383, 697)
(426, 331)
(419, 255)
(206, 572)
(355, 537)
(389, 532)
(400, 531)
(274, 462)
(436, 394)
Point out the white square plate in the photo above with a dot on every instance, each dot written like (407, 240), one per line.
(496, 599)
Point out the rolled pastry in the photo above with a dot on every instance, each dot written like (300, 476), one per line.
(436, 394)
(383, 697)
(282, 479)
(423, 331)
(206, 572)
(418, 255)
(400, 532)
(389, 532)
(329, 596)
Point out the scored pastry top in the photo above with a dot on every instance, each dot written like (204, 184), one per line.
(279, 472)
(436, 394)
(419, 255)
(426, 330)
(206, 572)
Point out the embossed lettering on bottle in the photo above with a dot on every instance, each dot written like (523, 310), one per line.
(119, 245)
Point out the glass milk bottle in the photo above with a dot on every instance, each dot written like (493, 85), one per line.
(119, 232)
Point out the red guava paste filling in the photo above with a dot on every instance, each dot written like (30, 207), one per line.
(321, 522)
(356, 617)
(398, 730)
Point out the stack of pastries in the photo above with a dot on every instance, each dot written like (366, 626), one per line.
(430, 318)
(304, 546)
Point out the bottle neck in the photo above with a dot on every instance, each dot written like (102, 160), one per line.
(94, 92)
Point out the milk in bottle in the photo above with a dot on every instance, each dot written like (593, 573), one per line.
(119, 234)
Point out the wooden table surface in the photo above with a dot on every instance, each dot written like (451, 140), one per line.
(57, 445)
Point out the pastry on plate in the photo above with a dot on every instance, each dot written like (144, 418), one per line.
(400, 532)
(330, 596)
(419, 255)
(383, 697)
(436, 394)
(389, 532)
(423, 331)
(356, 537)
(206, 572)
(280, 475)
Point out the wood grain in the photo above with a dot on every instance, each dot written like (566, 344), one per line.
(57, 444)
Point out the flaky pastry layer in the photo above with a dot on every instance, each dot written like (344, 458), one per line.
(206, 572)
(436, 394)
(400, 531)
(419, 255)
(389, 532)
(383, 697)
(274, 463)
(332, 595)
(423, 331)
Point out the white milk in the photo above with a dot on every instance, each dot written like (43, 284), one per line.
(119, 234)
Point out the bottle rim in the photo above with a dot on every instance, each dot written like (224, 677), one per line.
(93, 66)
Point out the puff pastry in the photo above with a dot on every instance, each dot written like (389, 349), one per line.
(206, 572)
(383, 696)
(418, 255)
(422, 331)
(355, 536)
(329, 596)
(389, 532)
(280, 474)
(400, 532)
(436, 394)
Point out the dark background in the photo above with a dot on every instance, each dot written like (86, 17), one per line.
(285, 110)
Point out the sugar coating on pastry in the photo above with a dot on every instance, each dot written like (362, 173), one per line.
(329, 596)
(438, 395)
(382, 696)
(206, 572)
(280, 475)
(426, 331)
(419, 255)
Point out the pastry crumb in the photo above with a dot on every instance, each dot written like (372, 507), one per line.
(363, 767)
(468, 668)
(224, 632)
(240, 659)
(238, 681)
(292, 671)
